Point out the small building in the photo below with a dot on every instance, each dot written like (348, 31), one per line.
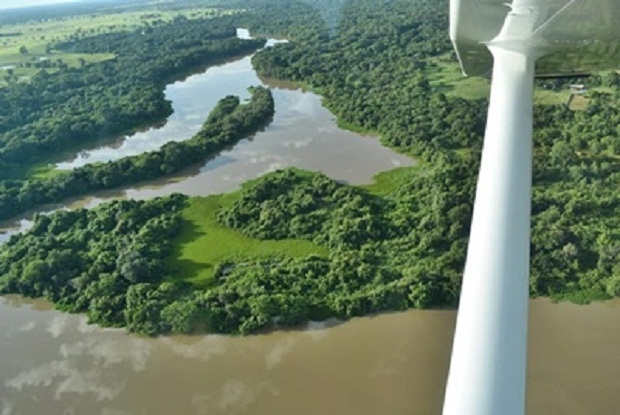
(578, 89)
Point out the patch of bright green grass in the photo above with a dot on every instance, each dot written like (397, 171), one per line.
(447, 77)
(45, 171)
(203, 242)
(41, 170)
(387, 181)
(583, 297)
(345, 125)
(547, 97)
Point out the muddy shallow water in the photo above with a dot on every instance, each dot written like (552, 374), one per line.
(390, 364)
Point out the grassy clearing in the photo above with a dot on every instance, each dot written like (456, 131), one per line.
(203, 242)
(45, 171)
(446, 76)
(345, 125)
(578, 102)
(547, 97)
(23, 171)
(38, 36)
(387, 181)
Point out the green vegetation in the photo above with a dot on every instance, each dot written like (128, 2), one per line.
(292, 246)
(104, 262)
(444, 75)
(386, 81)
(386, 182)
(108, 261)
(30, 46)
(229, 122)
(78, 106)
(204, 244)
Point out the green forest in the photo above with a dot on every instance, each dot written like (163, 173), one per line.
(74, 107)
(228, 123)
(397, 245)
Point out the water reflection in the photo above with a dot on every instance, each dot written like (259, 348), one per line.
(389, 364)
(190, 105)
(322, 368)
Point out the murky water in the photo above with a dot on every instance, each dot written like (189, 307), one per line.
(303, 134)
(191, 99)
(392, 364)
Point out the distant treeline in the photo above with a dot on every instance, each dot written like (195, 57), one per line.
(75, 106)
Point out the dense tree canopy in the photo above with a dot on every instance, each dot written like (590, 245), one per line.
(372, 69)
(229, 122)
(108, 262)
(75, 106)
(402, 247)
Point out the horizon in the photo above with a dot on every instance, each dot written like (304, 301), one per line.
(22, 4)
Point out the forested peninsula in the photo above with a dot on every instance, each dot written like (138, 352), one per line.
(229, 122)
(380, 66)
(75, 107)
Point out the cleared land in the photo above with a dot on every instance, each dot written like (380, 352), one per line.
(445, 75)
(203, 242)
(26, 48)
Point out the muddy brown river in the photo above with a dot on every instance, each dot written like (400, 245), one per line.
(391, 364)
(53, 363)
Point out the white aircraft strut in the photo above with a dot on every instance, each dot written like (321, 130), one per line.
(488, 366)
(517, 39)
(487, 373)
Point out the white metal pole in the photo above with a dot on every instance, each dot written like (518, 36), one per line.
(488, 367)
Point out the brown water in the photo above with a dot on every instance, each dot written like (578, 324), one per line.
(390, 364)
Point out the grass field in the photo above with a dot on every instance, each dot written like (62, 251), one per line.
(37, 37)
(203, 242)
(387, 181)
(445, 76)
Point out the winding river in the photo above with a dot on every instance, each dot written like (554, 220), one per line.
(390, 364)
(302, 134)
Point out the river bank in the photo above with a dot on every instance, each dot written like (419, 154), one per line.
(302, 134)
